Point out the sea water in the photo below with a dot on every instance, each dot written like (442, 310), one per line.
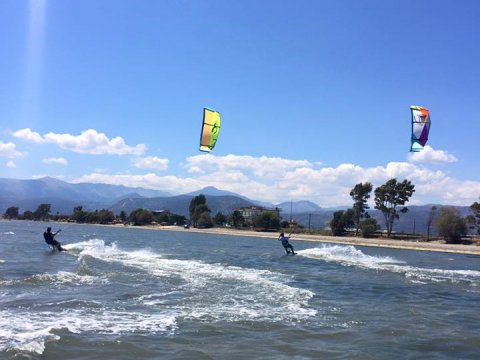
(125, 293)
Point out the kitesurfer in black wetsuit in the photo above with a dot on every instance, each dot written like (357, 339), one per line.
(284, 239)
(50, 239)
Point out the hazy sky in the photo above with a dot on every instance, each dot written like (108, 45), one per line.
(314, 95)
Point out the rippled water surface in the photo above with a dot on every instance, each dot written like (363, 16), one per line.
(128, 293)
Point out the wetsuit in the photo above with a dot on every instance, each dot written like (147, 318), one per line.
(286, 244)
(48, 236)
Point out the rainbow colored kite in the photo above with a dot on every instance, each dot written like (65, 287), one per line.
(420, 127)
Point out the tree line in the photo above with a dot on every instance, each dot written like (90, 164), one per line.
(199, 216)
(390, 199)
(103, 216)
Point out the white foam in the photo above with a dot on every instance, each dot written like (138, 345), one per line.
(8, 233)
(30, 331)
(193, 290)
(65, 277)
(86, 246)
(213, 291)
(350, 256)
(61, 277)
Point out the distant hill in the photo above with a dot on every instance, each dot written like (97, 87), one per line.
(63, 196)
(414, 220)
(213, 191)
(295, 207)
(225, 204)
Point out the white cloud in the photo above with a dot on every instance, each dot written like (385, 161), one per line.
(9, 150)
(29, 135)
(261, 166)
(283, 180)
(151, 162)
(11, 164)
(88, 142)
(149, 181)
(58, 161)
(39, 176)
(430, 155)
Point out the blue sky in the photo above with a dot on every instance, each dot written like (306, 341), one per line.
(314, 95)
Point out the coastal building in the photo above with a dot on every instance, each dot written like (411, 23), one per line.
(251, 212)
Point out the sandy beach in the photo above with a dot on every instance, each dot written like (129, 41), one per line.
(358, 241)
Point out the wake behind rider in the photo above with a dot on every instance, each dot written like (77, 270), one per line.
(50, 239)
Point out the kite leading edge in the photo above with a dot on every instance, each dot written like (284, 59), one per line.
(210, 129)
(420, 127)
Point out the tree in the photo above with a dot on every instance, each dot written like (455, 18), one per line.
(219, 219)
(267, 221)
(285, 224)
(451, 225)
(475, 208)
(368, 227)
(237, 219)
(198, 206)
(11, 213)
(28, 215)
(194, 203)
(42, 212)
(176, 219)
(360, 195)
(92, 217)
(79, 215)
(141, 217)
(389, 196)
(430, 218)
(204, 220)
(106, 216)
(340, 221)
(163, 218)
(122, 216)
(200, 210)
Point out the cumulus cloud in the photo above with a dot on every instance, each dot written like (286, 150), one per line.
(88, 142)
(29, 135)
(11, 164)
(261, 166)
(430, 155)
(172, 184)
(283, 180)
(151, 162)
(57, 161)
(9, 150)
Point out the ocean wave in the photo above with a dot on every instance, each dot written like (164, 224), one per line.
(61, 277)
(214, 291)
(29, 332)
(351, 256)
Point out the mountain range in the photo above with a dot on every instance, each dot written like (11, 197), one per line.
(63, 197)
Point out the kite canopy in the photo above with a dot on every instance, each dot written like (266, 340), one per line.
(210, 129)
(420, 127)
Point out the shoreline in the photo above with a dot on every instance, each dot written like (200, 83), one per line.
(326, 239)
(382, 243)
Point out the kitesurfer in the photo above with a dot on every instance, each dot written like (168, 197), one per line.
(50, 239)
(288, 247)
